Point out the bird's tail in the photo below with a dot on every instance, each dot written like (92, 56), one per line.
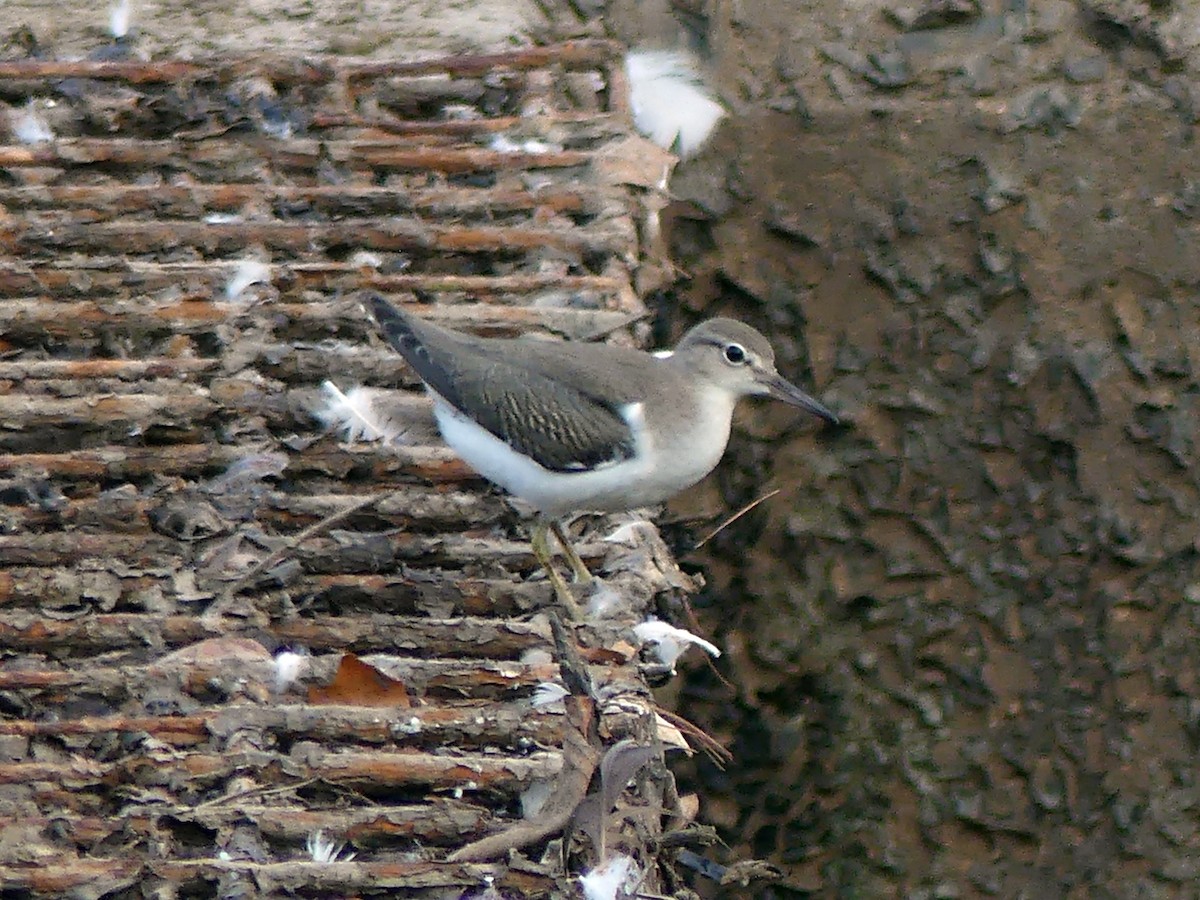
(417, 342)
(394, 325)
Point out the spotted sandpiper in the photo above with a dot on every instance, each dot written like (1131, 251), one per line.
(575, 427)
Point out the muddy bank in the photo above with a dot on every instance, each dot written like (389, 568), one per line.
(963, 640)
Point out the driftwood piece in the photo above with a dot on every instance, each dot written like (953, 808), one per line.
(580, 756)
(424, 594)
(373, 770)
(295, 237)
(406, 506)
(324, 554)
(199, 314)
(287, 155)
(432, 464)
(468, 727)
(476, 638)
(111, 275)
(439, 821)
(290, 71)
(466, 682)
(106, 201)
(62, 876)
(158, 440)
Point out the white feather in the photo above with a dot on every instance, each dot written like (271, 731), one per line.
(605, 601)
(547, 693)
(502, 143)
(325, 850)
(669, 642)
(354, 415)
(246, 273)
(670, 102)
(118, 19)
(460, 112)
(30, 127)
(631, 533)
(610, 879)
(289, 666)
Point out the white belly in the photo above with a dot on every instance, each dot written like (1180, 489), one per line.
(657, 471)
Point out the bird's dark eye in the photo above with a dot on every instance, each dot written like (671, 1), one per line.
(735, 354)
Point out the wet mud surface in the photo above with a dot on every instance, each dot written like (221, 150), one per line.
(962, 639)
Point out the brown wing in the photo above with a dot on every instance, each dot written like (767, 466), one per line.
(560, 426)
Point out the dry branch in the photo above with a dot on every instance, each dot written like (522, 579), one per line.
(228, 238)
(64, 876)
(133, 388)
(469, 726)
(438, 821)
(373, 770)
(433, 464)
(472, 638)
(468, 681)
(209, 158)
(424, 593)
(115, 275)
(193, 201)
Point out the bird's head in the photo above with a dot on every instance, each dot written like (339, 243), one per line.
(734, 357)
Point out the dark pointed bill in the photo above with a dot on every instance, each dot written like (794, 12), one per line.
(784, 390)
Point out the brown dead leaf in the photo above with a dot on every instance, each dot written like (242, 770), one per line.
(359, 684)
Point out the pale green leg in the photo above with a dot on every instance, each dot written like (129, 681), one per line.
(540, 543)
(582, 575)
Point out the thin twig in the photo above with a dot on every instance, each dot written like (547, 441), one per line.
(694, 626)
(712, 748)
(277, 555)
(252, 792)
(737, 515)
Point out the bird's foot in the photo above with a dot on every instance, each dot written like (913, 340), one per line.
(578, 566)
(565, 596)
(540, 544)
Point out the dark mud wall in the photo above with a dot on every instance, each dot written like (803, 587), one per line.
(965, 640)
